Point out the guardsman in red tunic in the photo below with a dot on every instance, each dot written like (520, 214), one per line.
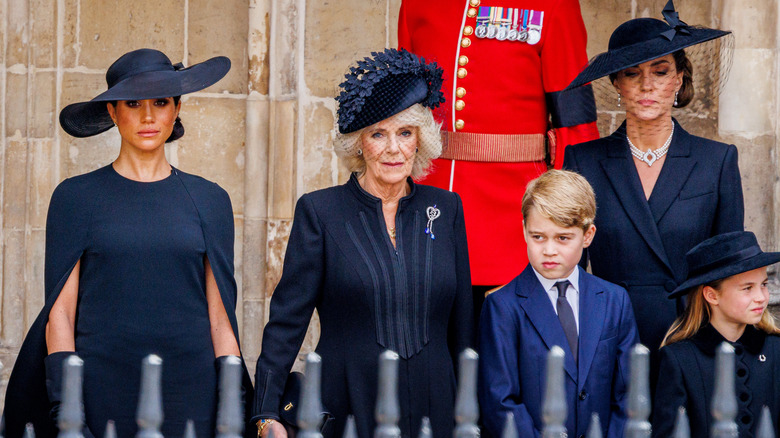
(505, 63)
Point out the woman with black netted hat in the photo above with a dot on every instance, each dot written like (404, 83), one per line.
(383, 260)
(660, 190)
(139, 261)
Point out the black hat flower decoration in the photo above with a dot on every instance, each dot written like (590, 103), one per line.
(385, 84)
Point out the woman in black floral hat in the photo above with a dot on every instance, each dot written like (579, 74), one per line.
(383, 260)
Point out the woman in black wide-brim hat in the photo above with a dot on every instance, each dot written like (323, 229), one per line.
(727, 300)
(660, 190)
(139, 261)
(382, 259)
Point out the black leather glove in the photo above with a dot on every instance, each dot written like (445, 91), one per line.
(54, 373)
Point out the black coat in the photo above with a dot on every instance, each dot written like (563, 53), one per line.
(414, 299)
(688, 370)
(134, 240)
(641, 243)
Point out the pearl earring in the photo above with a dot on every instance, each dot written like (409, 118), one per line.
(675, 98)
(618, 99)
(360, 151)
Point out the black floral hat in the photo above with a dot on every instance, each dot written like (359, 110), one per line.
(644, 39)
(385, 84)
(137, 75)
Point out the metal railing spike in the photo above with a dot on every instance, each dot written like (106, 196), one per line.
(425, 428)
(510, 428)
(724, 399)
(594, 428)
(29, 431)
(310, 409)
(189, 429)
(388, 410)
(350, 430)
(554, 409)
(637, 425)
(71, 418)
(230, 423)
(466, 405)
(110, 430)
(149, 415)
(765, 427)
(682, 428)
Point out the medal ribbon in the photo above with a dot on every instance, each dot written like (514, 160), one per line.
(484, 15)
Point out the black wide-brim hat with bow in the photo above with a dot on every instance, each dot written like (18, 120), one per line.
(644, 39)
(721, 257)
(137, 75)
(384, 85)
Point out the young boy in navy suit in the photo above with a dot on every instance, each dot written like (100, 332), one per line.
(555, 302)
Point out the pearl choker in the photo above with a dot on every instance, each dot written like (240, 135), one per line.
(651, 156)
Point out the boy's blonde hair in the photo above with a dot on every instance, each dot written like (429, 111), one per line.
(564, 197)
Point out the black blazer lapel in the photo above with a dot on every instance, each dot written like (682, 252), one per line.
(592, 311)
(538, 308)
(677, 168)
(619, 169)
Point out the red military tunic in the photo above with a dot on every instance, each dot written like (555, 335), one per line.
(498, 93)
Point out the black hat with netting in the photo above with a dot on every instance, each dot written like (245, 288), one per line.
(385, 84)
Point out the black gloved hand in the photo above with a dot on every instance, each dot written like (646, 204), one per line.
(54, 374)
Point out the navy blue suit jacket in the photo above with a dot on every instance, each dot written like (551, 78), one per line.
(641, 243)
(519, 326)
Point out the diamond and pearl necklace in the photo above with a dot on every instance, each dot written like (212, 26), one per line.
(651, 156)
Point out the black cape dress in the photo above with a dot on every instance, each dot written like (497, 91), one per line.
(414, 299)
(141, 291)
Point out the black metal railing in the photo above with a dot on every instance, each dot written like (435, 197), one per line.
(230, 423)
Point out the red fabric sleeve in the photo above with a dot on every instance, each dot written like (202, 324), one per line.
(564, 55)
(404, 41)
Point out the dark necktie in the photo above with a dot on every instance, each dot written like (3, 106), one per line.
(566, 316)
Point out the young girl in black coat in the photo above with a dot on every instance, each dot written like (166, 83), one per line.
(727, 302)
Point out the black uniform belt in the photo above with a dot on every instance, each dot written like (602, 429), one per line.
(496, 148)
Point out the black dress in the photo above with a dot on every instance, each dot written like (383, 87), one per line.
(141, 291)
(688, 370)
(414, 299)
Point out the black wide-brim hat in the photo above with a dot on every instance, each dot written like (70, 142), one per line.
(644, 39)
(723, 256)
(137, 75)
(384, 85)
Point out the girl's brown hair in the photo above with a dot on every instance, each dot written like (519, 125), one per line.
(697, 314)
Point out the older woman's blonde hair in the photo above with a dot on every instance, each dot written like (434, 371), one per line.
(428, 141)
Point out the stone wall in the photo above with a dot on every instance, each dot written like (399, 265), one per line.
(264, 132)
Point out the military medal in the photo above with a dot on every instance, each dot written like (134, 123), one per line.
(482, 22)
(495, 13)
(513, 33)
(506, 18)
(535, 27)
(523, 35)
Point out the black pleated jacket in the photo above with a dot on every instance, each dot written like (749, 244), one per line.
(414, 299)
